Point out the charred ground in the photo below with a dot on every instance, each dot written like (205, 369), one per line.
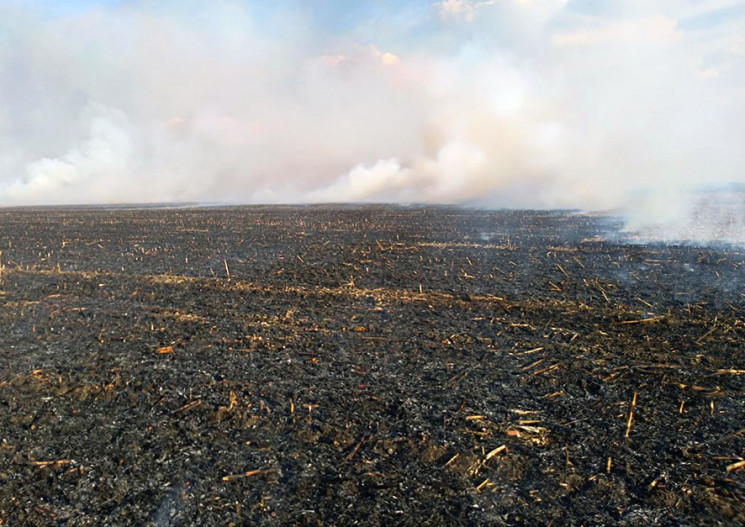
(377, 365)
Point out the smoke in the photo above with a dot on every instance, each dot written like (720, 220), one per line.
(632, 106)
(713, 214)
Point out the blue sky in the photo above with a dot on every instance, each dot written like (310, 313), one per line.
(540, 103)
(714, 17)
(71, 7)
(342, 14)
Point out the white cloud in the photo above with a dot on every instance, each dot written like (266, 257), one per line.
(461, 9)
(707, 73)
(657, 29)
(389, 59)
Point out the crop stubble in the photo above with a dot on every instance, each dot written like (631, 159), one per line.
(326, 365)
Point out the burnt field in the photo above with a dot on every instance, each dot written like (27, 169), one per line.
(374, 365)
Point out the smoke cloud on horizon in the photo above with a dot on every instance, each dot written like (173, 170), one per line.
(626, 105)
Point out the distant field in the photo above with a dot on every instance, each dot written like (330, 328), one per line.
(380, 365)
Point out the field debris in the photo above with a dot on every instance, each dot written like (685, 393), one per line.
(247, 474)
(365, 365)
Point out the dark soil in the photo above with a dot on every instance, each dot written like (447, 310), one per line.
(372, 366)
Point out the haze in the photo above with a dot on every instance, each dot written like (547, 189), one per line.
(604, 104)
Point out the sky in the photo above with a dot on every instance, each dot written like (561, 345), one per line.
(588, 104)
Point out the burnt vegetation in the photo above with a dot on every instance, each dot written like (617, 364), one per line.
(379, 365)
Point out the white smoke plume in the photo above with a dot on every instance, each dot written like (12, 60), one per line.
(509, 103)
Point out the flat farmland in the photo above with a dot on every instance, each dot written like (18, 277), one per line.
(365, 365)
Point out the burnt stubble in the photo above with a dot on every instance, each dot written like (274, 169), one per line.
(378, 365)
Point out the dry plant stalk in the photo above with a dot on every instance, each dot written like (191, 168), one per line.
(231, 477)
(730, 436)
(483, 484)
(547, 370)
(643, 320)
(452, 460)
(56, 462)
(188, 406)
(496, 451)
(355, 449)
(706, 335)
(533, 364)
(631, 415)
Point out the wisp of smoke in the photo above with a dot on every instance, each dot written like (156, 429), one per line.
(714, 214)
